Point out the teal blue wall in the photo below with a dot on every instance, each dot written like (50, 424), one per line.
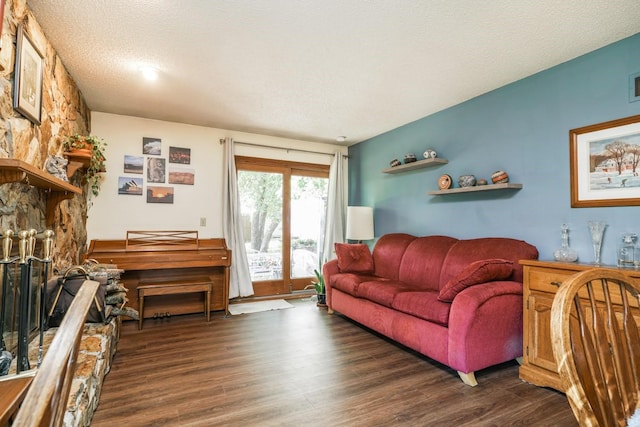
(522, 128)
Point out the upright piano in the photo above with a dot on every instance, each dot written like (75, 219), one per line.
(148, 256)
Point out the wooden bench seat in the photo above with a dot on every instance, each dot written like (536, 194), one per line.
(155, 288)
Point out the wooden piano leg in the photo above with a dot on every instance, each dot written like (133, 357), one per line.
(207, 303)
(141, 306)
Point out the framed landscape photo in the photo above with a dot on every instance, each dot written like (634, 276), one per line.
(159, 194)
(133, 164)
(605, 164)
(184, 176)
(27, 90)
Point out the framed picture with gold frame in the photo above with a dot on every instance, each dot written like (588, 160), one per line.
(27, 94)
(605, 164)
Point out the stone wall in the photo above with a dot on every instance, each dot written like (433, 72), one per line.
(64, 113)
(95, 354)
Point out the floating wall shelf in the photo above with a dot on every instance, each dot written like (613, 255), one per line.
(426, 163)
(77, 161)
(507, 186)
(14, 170)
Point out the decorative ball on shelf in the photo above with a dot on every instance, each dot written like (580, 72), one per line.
(409, 158)
(482, 181)
(444, 182)
(430, 153)
(395, 162)
(499, 177)
(467, 181)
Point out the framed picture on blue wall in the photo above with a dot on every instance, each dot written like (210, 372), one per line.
(605, 164)
(634, 87)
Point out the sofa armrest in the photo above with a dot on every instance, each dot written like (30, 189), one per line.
(329, 268)
(485, 325)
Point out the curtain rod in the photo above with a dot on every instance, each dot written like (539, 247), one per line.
(222, 141)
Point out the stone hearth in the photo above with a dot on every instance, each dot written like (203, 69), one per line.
(97, 348)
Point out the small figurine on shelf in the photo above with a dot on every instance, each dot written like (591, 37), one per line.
(499, 177)
(409, 158)
(565, 253)
(430, 153)
(467, 181)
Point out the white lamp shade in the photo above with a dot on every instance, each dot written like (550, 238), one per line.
(359, 223)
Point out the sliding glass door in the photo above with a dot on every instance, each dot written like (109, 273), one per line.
(283, 208)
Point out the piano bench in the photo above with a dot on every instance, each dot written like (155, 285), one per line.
(200, 284)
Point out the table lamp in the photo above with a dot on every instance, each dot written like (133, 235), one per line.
(359, 223)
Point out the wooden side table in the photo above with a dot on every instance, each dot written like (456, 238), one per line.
(202, 284)
(541, 282)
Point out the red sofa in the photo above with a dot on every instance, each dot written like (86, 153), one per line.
(455, 301)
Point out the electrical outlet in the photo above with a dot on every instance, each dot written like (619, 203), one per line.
(203, 222)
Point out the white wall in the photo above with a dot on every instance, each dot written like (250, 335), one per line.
(112, 215)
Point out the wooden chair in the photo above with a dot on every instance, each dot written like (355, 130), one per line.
(594, 330)
(46, 401)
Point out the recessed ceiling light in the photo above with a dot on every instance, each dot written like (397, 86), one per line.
(341, 138)
(149, 73)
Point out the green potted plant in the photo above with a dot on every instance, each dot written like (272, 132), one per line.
(88, 150)
(320, 289)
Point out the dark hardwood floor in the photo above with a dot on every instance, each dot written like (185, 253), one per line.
(302, 367)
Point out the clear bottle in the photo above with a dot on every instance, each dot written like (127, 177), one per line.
(565, 253)
(627, 250)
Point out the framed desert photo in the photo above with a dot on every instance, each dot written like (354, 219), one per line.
(184, 176)
(605, 164)
(27, 90)
(159, 194)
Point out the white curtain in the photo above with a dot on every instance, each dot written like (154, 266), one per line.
(240, 277)
(334, 226)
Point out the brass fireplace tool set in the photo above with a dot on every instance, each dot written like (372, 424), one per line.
(21, 301)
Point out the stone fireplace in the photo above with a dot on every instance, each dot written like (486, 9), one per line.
(23, 206)
(64, 113)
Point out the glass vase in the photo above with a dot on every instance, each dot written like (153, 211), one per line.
(596, 229)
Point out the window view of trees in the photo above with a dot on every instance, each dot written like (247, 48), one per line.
(261, 197)
(308, 208)
(261, 207)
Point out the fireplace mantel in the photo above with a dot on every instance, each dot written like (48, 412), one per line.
(14, 170)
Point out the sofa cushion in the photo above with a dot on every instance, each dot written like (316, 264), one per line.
(354, 258)
(381, 292)
(464, 252)
(388, 253)
(423, 304)
(422, 261)
(477, 272)
(349, 282)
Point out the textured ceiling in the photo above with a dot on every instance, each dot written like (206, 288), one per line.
(316, 69)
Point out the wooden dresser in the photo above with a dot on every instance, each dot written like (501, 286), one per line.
(541, 281)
